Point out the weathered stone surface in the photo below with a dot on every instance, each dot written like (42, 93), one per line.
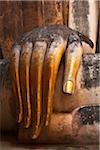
(9, 142)
(83, 16)
(11, 25)
(32, 15)
(52, 12)
(7, 104)
(91, 71)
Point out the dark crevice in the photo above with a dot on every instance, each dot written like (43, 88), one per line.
(1, 55)
(98, 38)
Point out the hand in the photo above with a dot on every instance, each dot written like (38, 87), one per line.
(34, 66)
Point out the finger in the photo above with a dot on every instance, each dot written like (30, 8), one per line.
(24, 81)
(73, 58)
(86, 39)
(15, 79)
(36, 75)
(51, 64)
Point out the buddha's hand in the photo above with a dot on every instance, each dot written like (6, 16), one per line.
(35, 61)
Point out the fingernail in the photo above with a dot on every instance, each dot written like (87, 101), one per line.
(69, 87)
